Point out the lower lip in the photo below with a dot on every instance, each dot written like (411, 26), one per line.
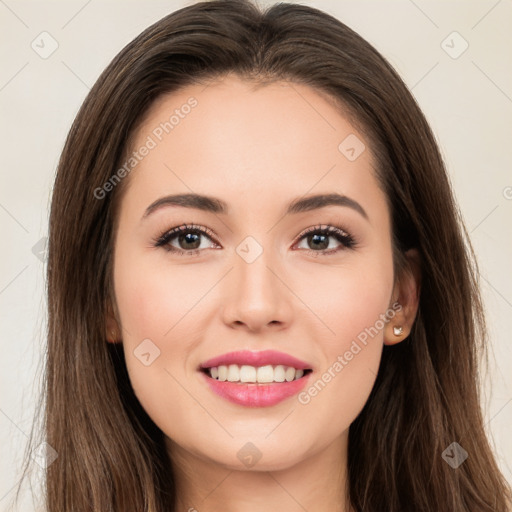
(256, 395)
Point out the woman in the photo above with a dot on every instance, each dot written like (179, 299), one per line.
(316, 346)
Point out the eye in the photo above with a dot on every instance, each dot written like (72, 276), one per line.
(188, 239)
(319, 237)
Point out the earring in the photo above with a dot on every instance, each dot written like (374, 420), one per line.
(113, 340)
(398, 330)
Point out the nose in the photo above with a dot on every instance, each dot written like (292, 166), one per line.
(257, 297)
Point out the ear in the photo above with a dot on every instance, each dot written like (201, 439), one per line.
(113, 332)
(405, 300)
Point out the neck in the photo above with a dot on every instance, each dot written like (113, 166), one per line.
(316, 484)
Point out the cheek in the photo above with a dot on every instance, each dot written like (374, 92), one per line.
(162, 310)
(153, 297)
(353, 311)
(152, 318)
(347, 299)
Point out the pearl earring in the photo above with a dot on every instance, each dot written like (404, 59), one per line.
(398, 330)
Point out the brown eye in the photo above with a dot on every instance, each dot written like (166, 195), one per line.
(188, 239)
(318, 240)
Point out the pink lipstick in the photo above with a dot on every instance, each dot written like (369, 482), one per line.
(255, 379)
(261, 358)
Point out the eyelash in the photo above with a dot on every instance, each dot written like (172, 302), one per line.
(346, 240)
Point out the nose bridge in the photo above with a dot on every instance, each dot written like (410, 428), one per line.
(258, 296)
(252, 271)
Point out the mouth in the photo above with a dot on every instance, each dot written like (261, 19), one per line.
(255, 379)
(245, 374)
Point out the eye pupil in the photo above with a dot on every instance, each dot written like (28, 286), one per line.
(324, 244)
(189, 237)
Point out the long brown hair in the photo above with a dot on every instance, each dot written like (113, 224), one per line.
(111, 456)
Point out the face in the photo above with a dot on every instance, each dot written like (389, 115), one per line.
(258, 277)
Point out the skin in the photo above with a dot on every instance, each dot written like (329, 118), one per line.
(257, 150)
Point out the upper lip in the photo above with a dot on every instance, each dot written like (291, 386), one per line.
(260, 358)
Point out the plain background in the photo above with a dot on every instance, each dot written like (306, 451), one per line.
(466, 98)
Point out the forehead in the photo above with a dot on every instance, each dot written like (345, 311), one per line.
(249, 142)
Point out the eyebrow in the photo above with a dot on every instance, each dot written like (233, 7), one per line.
(215, 205)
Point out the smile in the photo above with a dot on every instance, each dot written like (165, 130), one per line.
(271, 378)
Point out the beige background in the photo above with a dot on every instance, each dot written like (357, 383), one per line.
(468, 101)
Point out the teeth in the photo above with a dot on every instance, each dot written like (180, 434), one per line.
(261, 374)
(265, 374)
(247, 373)
(279, 373)
(233, 373)
(223, 372)
(289, 374)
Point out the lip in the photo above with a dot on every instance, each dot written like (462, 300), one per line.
(253, 394)
(261, 358)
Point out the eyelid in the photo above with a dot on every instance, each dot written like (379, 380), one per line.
(323, 227)
(164, 238)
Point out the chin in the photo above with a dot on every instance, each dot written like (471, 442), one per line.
(255, 453)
